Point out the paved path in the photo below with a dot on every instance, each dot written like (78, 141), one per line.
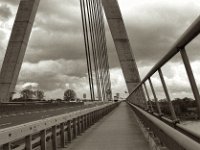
(117, 131)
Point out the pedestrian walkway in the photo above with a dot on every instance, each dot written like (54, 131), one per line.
(116, 131)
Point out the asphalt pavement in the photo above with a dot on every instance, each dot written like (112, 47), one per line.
(25, 117)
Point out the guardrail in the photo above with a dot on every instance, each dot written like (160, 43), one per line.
(14, 108)
(139, 103)
(179, 46)
(170, 137)
(63, 128)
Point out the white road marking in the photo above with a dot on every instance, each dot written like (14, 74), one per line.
(45, 116)
(5, 124)
(5, 116)
(13, 115)
(21, 114)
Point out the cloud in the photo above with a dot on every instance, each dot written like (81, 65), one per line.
(55, 56)
(52, 74)
(54, 46)
(5, 12)
(176, 80)
(154, 26)
(54, 81)
(118, 82)
(31, 86)
(12, 2)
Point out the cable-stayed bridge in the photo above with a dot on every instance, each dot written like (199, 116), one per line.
(137, 123)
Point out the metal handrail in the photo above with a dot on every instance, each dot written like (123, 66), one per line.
(186, 38)
(171, 135)
(17, 133)
(179, 46)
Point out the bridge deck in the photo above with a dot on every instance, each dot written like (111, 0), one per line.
(117, 131)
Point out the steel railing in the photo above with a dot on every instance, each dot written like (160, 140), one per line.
(46, 133)
(169, 137)
(179, 47)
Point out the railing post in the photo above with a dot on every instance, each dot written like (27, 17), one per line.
(90, 119)
(43, 140)
(173, 114)
(93, 117)
(145, 98)
(142, 95)
(79, 125)
(136, 98)
(62, 134)
(7, 146)
(148, 97)
(131, 97)
(95, 114)
(54, 138)
(69, 131)
(191, 79)
(154, 95)
(28, 144)
(86, 121)
(83, 123)
(141, 98)
(74, 128)
(98, 115)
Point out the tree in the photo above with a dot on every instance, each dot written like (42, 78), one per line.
(39, 94)
(30, 94)
(26, 94)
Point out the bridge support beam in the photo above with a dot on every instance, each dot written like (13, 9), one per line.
(122, 43)
(16, 47)
(123, 47)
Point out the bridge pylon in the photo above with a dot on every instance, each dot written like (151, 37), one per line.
(16, 47)
(20, 36)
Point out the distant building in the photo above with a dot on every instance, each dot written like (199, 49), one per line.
(84, 96)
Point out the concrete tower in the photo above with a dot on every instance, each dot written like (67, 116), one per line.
(16, 47)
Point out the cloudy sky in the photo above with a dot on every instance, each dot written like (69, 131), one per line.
(55, 58)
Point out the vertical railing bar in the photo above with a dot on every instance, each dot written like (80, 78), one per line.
(54, 137)
(148, 97)
(140, 102)
(155, 97)
(79, 124)
(28, 145)
(7, 146)
(136, 99)
(69, 131)
(62, 134)
(191, 79)
(43, 139)
(171, 107)
(74, 128)
(145, 100)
